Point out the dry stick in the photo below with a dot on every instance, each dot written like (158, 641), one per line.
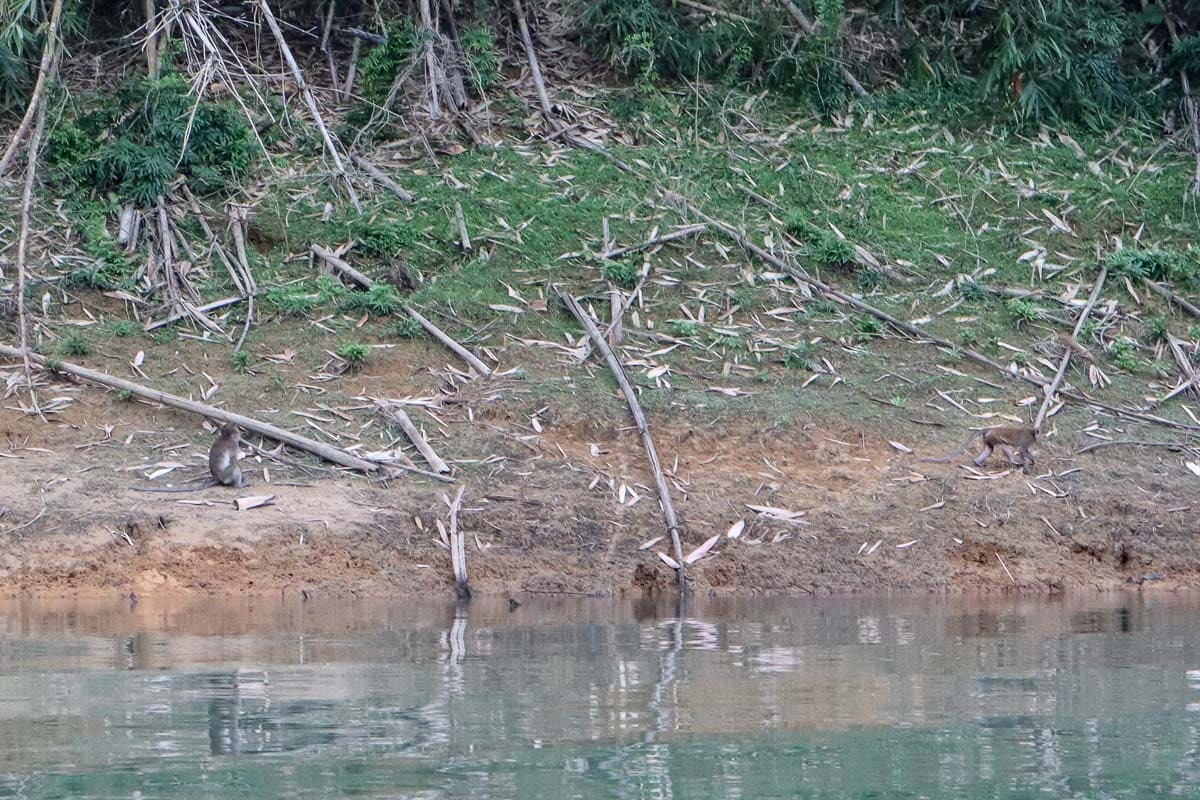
(47, 69)
(810, 28)
(635, 408)
(464, 238)
(401, 418)
(237, 222)
(1172, 297)
(302, 85)
(377, 175)
(178, 315)
(31, 165)
(1066, 359)
(1139, 442)
(534, 68)
(431, 65)
(327, 48)
(362, 280)
(1184, 363)
(458, 553)
(441, 336)
(151, 38)
(352, 69)
(682, 233)
(327, 452)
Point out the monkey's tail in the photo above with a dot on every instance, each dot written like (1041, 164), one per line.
(956, 453)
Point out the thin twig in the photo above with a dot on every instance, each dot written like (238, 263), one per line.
(1066, 358)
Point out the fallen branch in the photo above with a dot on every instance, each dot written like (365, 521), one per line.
(342, 266)
(1066, 358)
(178, 315)
(534, 68)
(378, 175)
(681, 233)
(1172, 297)
(313, 108)
(464, 239)
(327, 452)
(635, 408)
(398, 415)
(458, 551)
(1138, 442)
(462, 352)
(237, 224)
(362, 280)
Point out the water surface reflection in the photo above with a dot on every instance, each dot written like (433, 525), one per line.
(767, 698)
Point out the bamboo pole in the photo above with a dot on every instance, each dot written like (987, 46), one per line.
(313, 108)
(47, 69)
(401, 418)
(380, 177)
(1066, 359)
(635, 408)
(327, 452)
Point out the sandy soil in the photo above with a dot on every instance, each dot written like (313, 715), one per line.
(543, 517)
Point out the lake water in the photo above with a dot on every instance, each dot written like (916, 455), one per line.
(843, 698)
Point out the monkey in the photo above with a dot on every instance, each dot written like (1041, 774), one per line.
(222, 462)
(1008, 439)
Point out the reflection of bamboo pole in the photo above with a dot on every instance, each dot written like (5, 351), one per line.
(635, 408)
(458, 552)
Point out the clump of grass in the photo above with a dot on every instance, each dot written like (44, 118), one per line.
(1022, 311)
(869, 327)
(972, 291)
(354, 353)
(1156, 264)
(682, 328)
(381, 300)
(968, 337)
(800, 356)
(122, 328)
(75, 344)
(241, 362)
(291, 301)
(408, 328)
(623, 273)
(1158, 328)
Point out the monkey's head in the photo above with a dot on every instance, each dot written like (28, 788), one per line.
(230, 431)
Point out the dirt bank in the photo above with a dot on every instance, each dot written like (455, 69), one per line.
(545, 514)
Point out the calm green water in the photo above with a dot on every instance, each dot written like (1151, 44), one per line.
(827, 699)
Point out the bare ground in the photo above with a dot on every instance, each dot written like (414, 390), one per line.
(544, 518)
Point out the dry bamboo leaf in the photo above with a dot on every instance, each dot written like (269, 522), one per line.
(651, 543)
(702, 550)
(874, 547)
(735, 530)
(1193, 467)
(907, 544)
(670, 562)
(938, 504)
(900, 447)
(777, 513)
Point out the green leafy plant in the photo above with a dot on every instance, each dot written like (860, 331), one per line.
(354, 354)
(968, 337)
(868, 326)
(137, 141)
(682, 328)
(1022, 311)
(124, 395)
(241, 361)
(381, 300)
(292, 301)
(800, 356)
(1155, 264)
(122, 328)
(972, 291)
(1124, 355)
(1158, 328)
(408, 328)
(75, 344)
(483, 56)
(623, 273)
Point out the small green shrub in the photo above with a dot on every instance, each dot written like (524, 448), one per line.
(968, 337)
(1124, 355)
(1158, 328)
(623, 273)
(869, 326)
(122, 328)
(408, 328)
(972, 291)
(241, 362)
(291, 301)
(124, 395)
(382, 239)
(800, 356)
(682, 328)
(1154, 264)
(1022, 311)
(483, 56)
(75, 344)
(381, 300)
(354, 354)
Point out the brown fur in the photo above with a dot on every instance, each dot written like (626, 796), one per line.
(1009, 439)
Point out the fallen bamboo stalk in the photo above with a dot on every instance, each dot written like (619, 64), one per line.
(682, 233)
(464, 239)
(178, 315)
(362, 280)
(48, 66)
(1136, 442)
(342, 266)
(327, 452)
(398, 415)
(1066, 358)
(1172, 297)
(437, 333)
(313, 108)
(237, 224)
(458, 551)
(378, 175)
(534, 68)
(635, 408)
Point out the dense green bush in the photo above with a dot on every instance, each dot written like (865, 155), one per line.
(137, 141)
